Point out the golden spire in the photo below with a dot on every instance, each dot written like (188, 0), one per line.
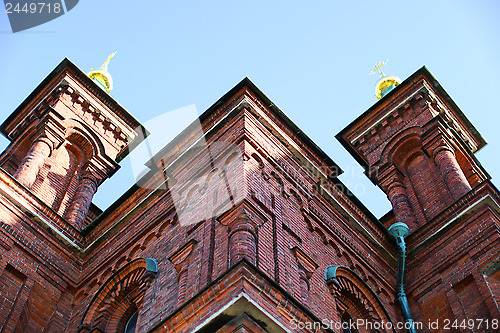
(104, 66)
(386, 82)
(101, 76)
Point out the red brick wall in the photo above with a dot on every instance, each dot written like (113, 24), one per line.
(280, 225)
(283, 216)
(11, 283)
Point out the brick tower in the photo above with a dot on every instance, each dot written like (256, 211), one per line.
(66, 138)
(418, 147)
(241, 224)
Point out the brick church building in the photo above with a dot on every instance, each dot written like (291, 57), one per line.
(242, 224)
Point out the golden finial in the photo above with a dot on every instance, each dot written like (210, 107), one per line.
(378, 67)
(101, 76)
(386, 82)
(105, 65)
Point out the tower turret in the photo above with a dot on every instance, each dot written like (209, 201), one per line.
(66, 139)
(417, 146)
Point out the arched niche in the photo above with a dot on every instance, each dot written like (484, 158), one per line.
(120, 296)
(402, 148)
(80, 135)
(355, 299)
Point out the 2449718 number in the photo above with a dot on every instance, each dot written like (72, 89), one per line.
(472, 324)
(33, 8)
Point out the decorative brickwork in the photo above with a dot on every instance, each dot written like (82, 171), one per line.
(354, 297)
(306, 268)
(242, 214)
(119, 297)
(180, 259)
(82, 199)
(242, 223)
(443, 153)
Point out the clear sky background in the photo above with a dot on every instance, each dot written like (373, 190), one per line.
(311, 58)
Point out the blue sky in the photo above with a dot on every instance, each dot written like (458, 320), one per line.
(311, 58)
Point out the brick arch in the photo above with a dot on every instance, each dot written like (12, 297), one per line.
(309, 225)
(164, 226)
(354, 296)
(148, 240)
(231, 157)
(373, 284)
(410, 136)
(81, 294)
(119, 297)
(360, 271)
(80, 146)
(347, 259)
(209, 178)
(119, 263)
(321, 235)
(296, 196)
(335, 248)
(104, 276)
(134, 252)
(80, 134)
(259, 160)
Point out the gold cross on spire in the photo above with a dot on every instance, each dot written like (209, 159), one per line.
(378, 67)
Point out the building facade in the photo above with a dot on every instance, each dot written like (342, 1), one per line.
(241, 224)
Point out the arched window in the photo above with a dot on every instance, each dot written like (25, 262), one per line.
(132, 322)
(114, 308)
(356, 301)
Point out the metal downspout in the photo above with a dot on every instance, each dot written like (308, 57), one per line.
(399, 231)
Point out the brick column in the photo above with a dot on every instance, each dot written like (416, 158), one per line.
(306, 267)
(82, 199)
(33, 161)
(396, 193)
(453, 175)
(242, 222)
(242, 242)
(437, 141)
(304, 286)
(182, 280)
(180, 259)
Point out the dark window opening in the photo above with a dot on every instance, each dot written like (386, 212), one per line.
(132, 322)
(348, 324)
